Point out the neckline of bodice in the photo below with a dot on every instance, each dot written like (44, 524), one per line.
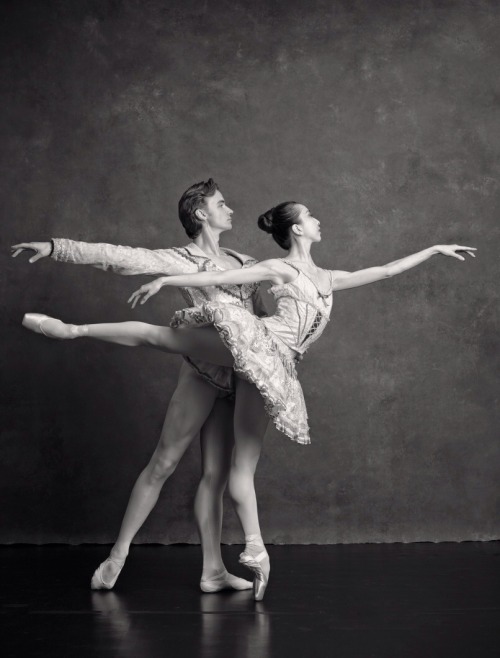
(300, 271)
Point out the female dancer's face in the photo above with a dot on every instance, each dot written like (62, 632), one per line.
(218, 214)
(310, 225)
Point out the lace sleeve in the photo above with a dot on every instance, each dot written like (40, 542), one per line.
(124, 260)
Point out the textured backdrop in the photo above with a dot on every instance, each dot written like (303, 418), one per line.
(382, 117)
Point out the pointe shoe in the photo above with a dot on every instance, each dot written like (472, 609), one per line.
(261, 579)
(224, 581)
(34, 322)
(98, 582)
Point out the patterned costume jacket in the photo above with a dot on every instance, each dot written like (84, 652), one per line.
(160, 262)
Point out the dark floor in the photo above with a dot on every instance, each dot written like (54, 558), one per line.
(388, 601)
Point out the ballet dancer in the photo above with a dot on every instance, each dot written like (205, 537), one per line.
(262, 351)
(196, 405)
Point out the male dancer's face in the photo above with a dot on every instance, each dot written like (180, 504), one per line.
(217, 213)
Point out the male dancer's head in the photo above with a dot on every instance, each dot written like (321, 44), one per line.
(202, 209)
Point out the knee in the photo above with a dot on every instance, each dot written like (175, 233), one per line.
(161, 468)
(213, 481)
(240, 482)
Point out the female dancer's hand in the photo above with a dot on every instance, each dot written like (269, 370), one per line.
(41, 249)
(146, 291)
(451, 250)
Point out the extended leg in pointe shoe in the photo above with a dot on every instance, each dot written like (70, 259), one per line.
(51, 327)
(98, 582)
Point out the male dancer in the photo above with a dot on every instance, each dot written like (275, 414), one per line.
(196, 405)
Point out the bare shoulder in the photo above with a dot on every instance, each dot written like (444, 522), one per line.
(278, 271)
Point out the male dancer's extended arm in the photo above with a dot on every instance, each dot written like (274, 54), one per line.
(117, 258)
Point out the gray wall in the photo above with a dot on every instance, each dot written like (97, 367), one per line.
(383, 118)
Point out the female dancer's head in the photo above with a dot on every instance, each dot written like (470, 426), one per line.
(290, 222)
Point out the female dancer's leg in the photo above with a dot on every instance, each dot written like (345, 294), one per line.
(217, 443)
(250, 422)
(197, 342)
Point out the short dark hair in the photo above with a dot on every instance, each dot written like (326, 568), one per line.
(192, 199)
(279, 220)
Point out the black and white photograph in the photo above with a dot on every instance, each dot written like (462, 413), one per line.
(250, 339)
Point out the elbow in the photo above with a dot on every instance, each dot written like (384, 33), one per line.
(388, 272)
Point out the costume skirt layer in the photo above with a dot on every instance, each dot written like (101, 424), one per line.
(259, 357)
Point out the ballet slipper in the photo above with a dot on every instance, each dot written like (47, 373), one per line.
(98, 582)
(261, 578)
(61, 331)
(224, 581)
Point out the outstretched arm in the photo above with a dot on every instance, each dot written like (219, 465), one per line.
(343, 280)
(269, 270)
(117, 258)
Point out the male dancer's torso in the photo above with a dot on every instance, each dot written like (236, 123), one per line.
(175, 260)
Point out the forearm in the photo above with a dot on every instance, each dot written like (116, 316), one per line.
(344, 280)
(406, 263)
(245, 275)
(197, 280)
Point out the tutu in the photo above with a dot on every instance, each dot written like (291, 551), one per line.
(259, 357)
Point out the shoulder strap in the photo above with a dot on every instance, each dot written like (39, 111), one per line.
(297, 269)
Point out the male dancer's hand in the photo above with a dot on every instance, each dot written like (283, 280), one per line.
(41, 249)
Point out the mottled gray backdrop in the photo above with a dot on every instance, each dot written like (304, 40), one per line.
(382, 117)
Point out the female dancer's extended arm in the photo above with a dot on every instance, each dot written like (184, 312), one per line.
(268, 270)
(343, 280)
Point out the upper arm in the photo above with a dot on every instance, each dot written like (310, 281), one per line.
(264, 271)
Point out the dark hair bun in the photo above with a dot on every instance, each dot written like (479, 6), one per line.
(265, 221)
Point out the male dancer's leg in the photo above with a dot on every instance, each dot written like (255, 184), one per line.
(216, 449)
(189, 408)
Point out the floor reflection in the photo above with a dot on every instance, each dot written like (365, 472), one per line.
(234, 625)
(113, 623)
(212, 625)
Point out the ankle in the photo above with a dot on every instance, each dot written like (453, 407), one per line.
(213, 574)
(78, 330)
(118, 554)
(254, 540)
(254, 545)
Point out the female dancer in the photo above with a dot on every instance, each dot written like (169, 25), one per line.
(262, 351)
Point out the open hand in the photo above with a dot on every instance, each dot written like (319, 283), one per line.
(452, 249)
(146, 291)
(41, 249)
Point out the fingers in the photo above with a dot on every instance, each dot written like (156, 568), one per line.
(468, 250)
(134, 298)
(17, 248)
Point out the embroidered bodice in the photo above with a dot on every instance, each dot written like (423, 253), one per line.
(160, 262)
(302, 310)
